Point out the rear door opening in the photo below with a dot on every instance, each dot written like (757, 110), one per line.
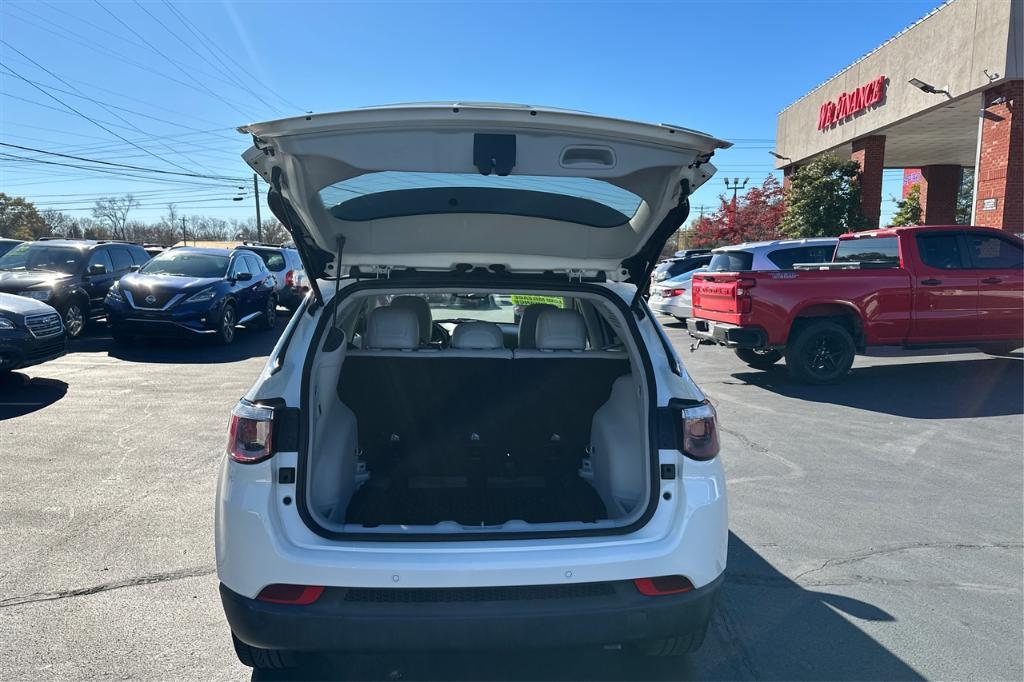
(456, 411)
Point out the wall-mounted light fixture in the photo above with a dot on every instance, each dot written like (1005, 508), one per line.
(930, 89)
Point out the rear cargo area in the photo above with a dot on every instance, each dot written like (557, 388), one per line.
(471, 437)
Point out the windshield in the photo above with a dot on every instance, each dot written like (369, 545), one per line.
(187, 264)
(42, 257)
(731, 261)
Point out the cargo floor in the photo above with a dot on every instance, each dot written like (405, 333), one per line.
(378, 502)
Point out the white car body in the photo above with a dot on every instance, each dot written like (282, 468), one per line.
(665, 299)
(263, 536)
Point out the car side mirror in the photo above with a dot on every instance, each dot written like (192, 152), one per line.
(97, 269)
(135, 268)
(243, 276)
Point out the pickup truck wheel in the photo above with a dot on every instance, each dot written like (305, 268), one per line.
(760, 358)
(264, 658)
(821, 353)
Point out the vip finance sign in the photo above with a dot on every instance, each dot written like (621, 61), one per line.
(849, 103)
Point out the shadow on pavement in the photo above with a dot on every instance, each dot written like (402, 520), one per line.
(950, 389)
(21, 395)
(248, 343)
(766, 626)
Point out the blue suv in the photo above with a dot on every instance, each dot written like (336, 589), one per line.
(193, 292)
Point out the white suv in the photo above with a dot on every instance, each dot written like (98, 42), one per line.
(473, 433)
(779, 254)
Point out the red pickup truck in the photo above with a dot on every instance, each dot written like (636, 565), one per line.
(913, 287)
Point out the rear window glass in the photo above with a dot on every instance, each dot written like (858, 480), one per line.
(882, 250)
(731, 261)
(785, 259)
(392, 194)
(274, 260)
(994, 253)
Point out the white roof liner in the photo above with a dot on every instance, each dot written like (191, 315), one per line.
(316, 151)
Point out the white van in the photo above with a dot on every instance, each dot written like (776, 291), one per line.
(473, 433)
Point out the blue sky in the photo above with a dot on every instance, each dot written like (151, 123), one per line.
(165, 83)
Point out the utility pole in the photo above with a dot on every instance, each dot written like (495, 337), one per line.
(735, 187)
(184, 235)
(256, 194)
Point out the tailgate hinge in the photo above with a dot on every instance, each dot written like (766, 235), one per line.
(575, 275)
(382, 271)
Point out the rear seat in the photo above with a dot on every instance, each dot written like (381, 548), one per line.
(565, 385)
(476, 408)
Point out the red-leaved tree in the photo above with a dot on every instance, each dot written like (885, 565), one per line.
(758, 213)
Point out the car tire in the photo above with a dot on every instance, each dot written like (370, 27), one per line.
(672, 646)
(821, 352)
(75, 318)
(270, 659)
(269, 316)
(759, 358)
(226, 325)
(680, 319)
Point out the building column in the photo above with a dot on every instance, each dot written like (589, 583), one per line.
(999, 177)
(940, 186)
(869, 152)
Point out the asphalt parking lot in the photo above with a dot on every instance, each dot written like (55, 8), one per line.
(876, 526)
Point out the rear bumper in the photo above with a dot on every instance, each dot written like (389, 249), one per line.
(725, 334)
(617, 613)
(672, 308)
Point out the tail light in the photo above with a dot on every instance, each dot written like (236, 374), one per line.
(666, 584)
(297, 595)
(700, 432)
(677, 292)
(743, 287)
(289, 279)
(250, 436)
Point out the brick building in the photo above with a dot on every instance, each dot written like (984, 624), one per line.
(943, 95)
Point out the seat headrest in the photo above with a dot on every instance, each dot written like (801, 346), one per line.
(561, 330)
(528, 324)
(478, 336)
(422, 309)
(392, 329)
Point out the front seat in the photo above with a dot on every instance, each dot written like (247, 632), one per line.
(422, 309)
(528, 324)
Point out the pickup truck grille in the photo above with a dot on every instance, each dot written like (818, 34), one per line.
(45, 325)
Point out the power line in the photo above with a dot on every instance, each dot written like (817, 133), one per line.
(87, 118)
(240, 84)
(207, 43)
(102, 50)
(119, 165)
(168, 59)
(12, 157)
(106, 107)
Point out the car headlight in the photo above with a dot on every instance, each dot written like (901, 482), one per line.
(204, 295)
(114, 293)
(39, 294)
(6, 324)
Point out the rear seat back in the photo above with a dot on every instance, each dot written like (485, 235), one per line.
(473, 407)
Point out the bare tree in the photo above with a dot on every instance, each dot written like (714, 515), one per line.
(113, 212)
